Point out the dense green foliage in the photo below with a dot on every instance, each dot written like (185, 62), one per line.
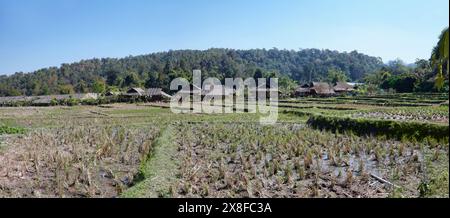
(158, 69)
(401, 78)
(424, 76)
(11, 130)
(389, 128)
(439, 59)
(335, 76)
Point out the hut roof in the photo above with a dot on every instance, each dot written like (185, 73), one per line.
(302, 90)
(43, 100)
(154, 91)
(343, 87)
(112, 93)
(136, 91)
(157, 92)
(10, 99)
(193, 89)
(355, 84)
(322, 88)
(306, 85)
(46, 99)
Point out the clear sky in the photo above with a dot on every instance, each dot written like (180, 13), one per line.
(42, 33)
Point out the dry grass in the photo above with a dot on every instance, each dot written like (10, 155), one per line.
(72, 152)
(250, 160)
(74, 161)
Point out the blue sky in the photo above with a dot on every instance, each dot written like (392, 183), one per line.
(42, 33)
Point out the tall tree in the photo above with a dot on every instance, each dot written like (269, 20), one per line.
(132, 79)
(81, 87)
(99, 86)
(152, 80)
(66, 89)
(336, 75)
(258, 74)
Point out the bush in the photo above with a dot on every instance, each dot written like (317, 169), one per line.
(400, 83)
(70, 102)
(389, 128)
(90, 102)
(11, 130)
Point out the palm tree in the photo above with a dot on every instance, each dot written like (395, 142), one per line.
(439, 58)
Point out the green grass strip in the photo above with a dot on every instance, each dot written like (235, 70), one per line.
(11, 130)
(388, 128)
(158, 173)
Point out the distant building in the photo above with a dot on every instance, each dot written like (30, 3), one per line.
(355, 84)
(303, 90)
(88, 96)
(193, 90)
(112, 93)
(14, 99)
(321, 89)
(315, 89)
(135, 92)
(156, 94)
(47, 99)
(343, 87)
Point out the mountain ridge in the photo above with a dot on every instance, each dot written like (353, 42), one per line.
(159, 68)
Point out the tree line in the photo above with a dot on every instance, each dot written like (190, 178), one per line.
(158, 69)
(423, 76)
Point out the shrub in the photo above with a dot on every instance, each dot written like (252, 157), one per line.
(71, 102)
(11, 130)
(389, 128)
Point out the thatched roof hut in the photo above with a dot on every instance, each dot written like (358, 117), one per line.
(193, 90)
(112, 93)
(154, 92)
(135, 92)
(302, 91)
(315, 88)
(14, 99)
(320, 88)
(47, 99)
(343, 87)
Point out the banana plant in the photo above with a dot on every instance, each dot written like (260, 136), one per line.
(439, 58)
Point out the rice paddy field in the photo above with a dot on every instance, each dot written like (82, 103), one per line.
(340, 147)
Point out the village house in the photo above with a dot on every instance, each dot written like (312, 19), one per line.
(112, 93)
(44, 100)
(193, 90)
(47, 99)
(151, 94)
(321, 89)
(315, 89)
(343, 88)
(302, 91)
(135, 92)
(11, 100)
(156, 94)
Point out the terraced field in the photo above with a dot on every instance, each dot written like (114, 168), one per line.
(145, 150)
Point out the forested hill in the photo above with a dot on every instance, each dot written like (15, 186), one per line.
(158, 69)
